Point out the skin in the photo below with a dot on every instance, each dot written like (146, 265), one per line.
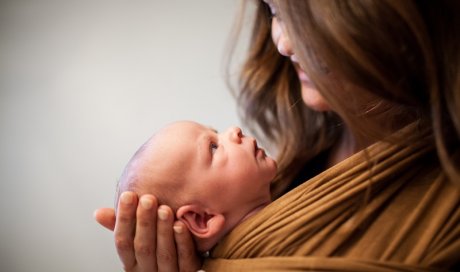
(161, 231)
(346, 145)
(178, 251)
(200, 165)
(216, 167)
(137, 246)
(310, 95)
(207, 164)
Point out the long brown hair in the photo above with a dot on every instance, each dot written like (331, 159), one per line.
(402, 54)
(393, 62)
(271, 106)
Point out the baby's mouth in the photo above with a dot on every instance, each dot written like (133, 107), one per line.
(256, 148)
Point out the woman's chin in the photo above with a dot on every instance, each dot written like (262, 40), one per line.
(314, 100)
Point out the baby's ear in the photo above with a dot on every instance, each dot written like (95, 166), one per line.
(201, 223)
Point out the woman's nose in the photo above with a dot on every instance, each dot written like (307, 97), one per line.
(235, 134)
(281, 40)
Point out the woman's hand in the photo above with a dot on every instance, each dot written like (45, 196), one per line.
(146, 236)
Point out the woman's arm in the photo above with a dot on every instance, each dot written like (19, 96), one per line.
(145, 244)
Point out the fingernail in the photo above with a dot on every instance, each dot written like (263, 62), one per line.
(146, 203)
(178, 229)
(95, 213)
(126, 198)
(162, 214)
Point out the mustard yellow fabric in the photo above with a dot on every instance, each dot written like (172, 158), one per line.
(398, 213)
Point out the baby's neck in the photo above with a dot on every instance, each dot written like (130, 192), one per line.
(252, 212)
(234, 222)
(207, 244)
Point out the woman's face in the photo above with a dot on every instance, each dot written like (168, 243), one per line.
(310, 95)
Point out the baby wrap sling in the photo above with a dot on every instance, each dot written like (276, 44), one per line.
(394, 212)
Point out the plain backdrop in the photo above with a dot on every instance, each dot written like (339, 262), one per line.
(83, 83)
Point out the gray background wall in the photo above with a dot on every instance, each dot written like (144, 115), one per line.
(82, 84)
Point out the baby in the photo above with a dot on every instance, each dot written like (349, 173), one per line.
(212, 181)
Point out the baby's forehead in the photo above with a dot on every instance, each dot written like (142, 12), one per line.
(177, 136)
(172, 147)
(170, 138)
(181, 127)
(175, 146)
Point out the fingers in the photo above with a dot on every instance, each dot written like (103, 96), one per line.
(145, 239)
(105, 217)
(187, 255)
(166, 249)
(144, 235)
(124, 229)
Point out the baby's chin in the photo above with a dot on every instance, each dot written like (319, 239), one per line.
(274, 167)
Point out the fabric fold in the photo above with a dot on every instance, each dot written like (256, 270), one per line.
(396, 212)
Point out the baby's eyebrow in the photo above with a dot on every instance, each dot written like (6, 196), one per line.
(213, 129)
(203, 148)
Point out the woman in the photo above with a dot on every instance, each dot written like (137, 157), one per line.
(365, 71)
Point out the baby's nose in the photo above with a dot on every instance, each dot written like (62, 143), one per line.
(235, 134)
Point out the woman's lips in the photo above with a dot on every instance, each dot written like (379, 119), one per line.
(302, 75)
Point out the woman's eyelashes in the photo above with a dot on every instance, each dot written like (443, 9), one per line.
(272, 11)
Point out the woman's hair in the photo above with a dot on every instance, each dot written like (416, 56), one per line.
(271, 106)
(379, 64)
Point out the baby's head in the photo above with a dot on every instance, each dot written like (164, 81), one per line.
(211, 180)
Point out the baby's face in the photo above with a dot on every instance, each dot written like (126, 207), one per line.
(226, 171)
